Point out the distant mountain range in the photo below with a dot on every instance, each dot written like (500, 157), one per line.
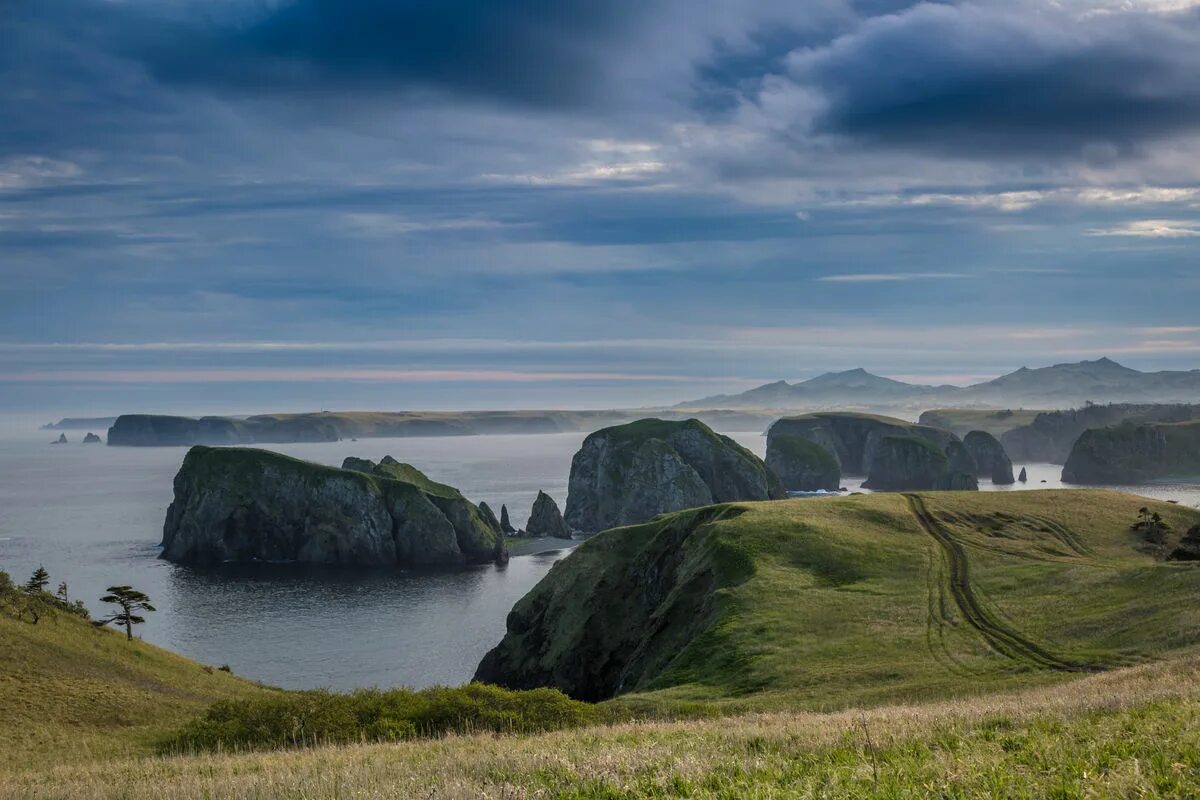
(1058, 386)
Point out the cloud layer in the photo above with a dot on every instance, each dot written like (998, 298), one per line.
(365, 171)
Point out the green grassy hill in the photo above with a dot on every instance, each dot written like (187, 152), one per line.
(829, 603)
(73, 692)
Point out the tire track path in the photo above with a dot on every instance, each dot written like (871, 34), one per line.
(999, 636)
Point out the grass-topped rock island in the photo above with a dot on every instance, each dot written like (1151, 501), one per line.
(245, 505)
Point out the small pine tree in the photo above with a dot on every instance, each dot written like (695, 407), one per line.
(62, 593)
(38, 581)
(130, 601)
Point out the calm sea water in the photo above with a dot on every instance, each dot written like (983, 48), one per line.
(93, 516)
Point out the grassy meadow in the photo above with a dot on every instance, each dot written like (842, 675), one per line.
(954, 644)
(1131, 733)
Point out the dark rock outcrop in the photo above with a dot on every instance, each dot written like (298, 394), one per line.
(62, 439)
(913, 463)
(92, 438)
(505, 524)
(862, 444)
(1024, 476)
(1135, 453)
(489, 516)
(630, 473)
(1189, 546)
(242, 505)
(989, 457)
(546, 519)
(1052, 434)
(803, 465)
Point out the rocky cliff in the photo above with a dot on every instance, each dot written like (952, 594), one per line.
(1135, 453)
(241, 505)
(1051, 435)
(911, 463)
(630, 473)
(802, 465)
(989, 457)
(885, 449)
(546, 520)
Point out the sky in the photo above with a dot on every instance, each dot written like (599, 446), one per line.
(247, 205)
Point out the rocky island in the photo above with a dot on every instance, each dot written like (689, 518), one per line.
(245, 505)
(546, 520)
(1132, 453)
(1051, 435)
(803, 465)
(893, 454)
(990, 457)
(630, 473)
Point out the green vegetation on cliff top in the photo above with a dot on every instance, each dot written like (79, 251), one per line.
(247, 463)
(862, 600)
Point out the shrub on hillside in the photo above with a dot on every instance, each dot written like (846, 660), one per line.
(298, 719)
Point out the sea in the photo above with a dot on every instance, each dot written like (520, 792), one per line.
(93, 515)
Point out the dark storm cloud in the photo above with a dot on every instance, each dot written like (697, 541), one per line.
(542, 52)
(1009, 80)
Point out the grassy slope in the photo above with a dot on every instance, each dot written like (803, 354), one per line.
(851, 602)
(1129, 733)
(71, 692)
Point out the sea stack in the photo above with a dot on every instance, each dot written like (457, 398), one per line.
(630, 473)
(990, 458)
(506, 525)
(1023, 477)
(546, 519)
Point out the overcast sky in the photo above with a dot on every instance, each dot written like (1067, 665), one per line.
(283, 204)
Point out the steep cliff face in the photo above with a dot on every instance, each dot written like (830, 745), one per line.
(912, 463)
(854, 437)
(1133, 453)
(887, 450)
(240, 505)
(802, 465)
(1052, 434)
(989, 457)
(630, 473)
(611, 617)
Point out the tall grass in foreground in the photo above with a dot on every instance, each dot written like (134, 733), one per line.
(314, 718)
(1129, 733)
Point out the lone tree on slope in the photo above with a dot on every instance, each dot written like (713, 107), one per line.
(38, 581)
(130, 601)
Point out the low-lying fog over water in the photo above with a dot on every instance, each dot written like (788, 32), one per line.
(93, 516)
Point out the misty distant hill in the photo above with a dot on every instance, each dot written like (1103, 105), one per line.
(1099, 381)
